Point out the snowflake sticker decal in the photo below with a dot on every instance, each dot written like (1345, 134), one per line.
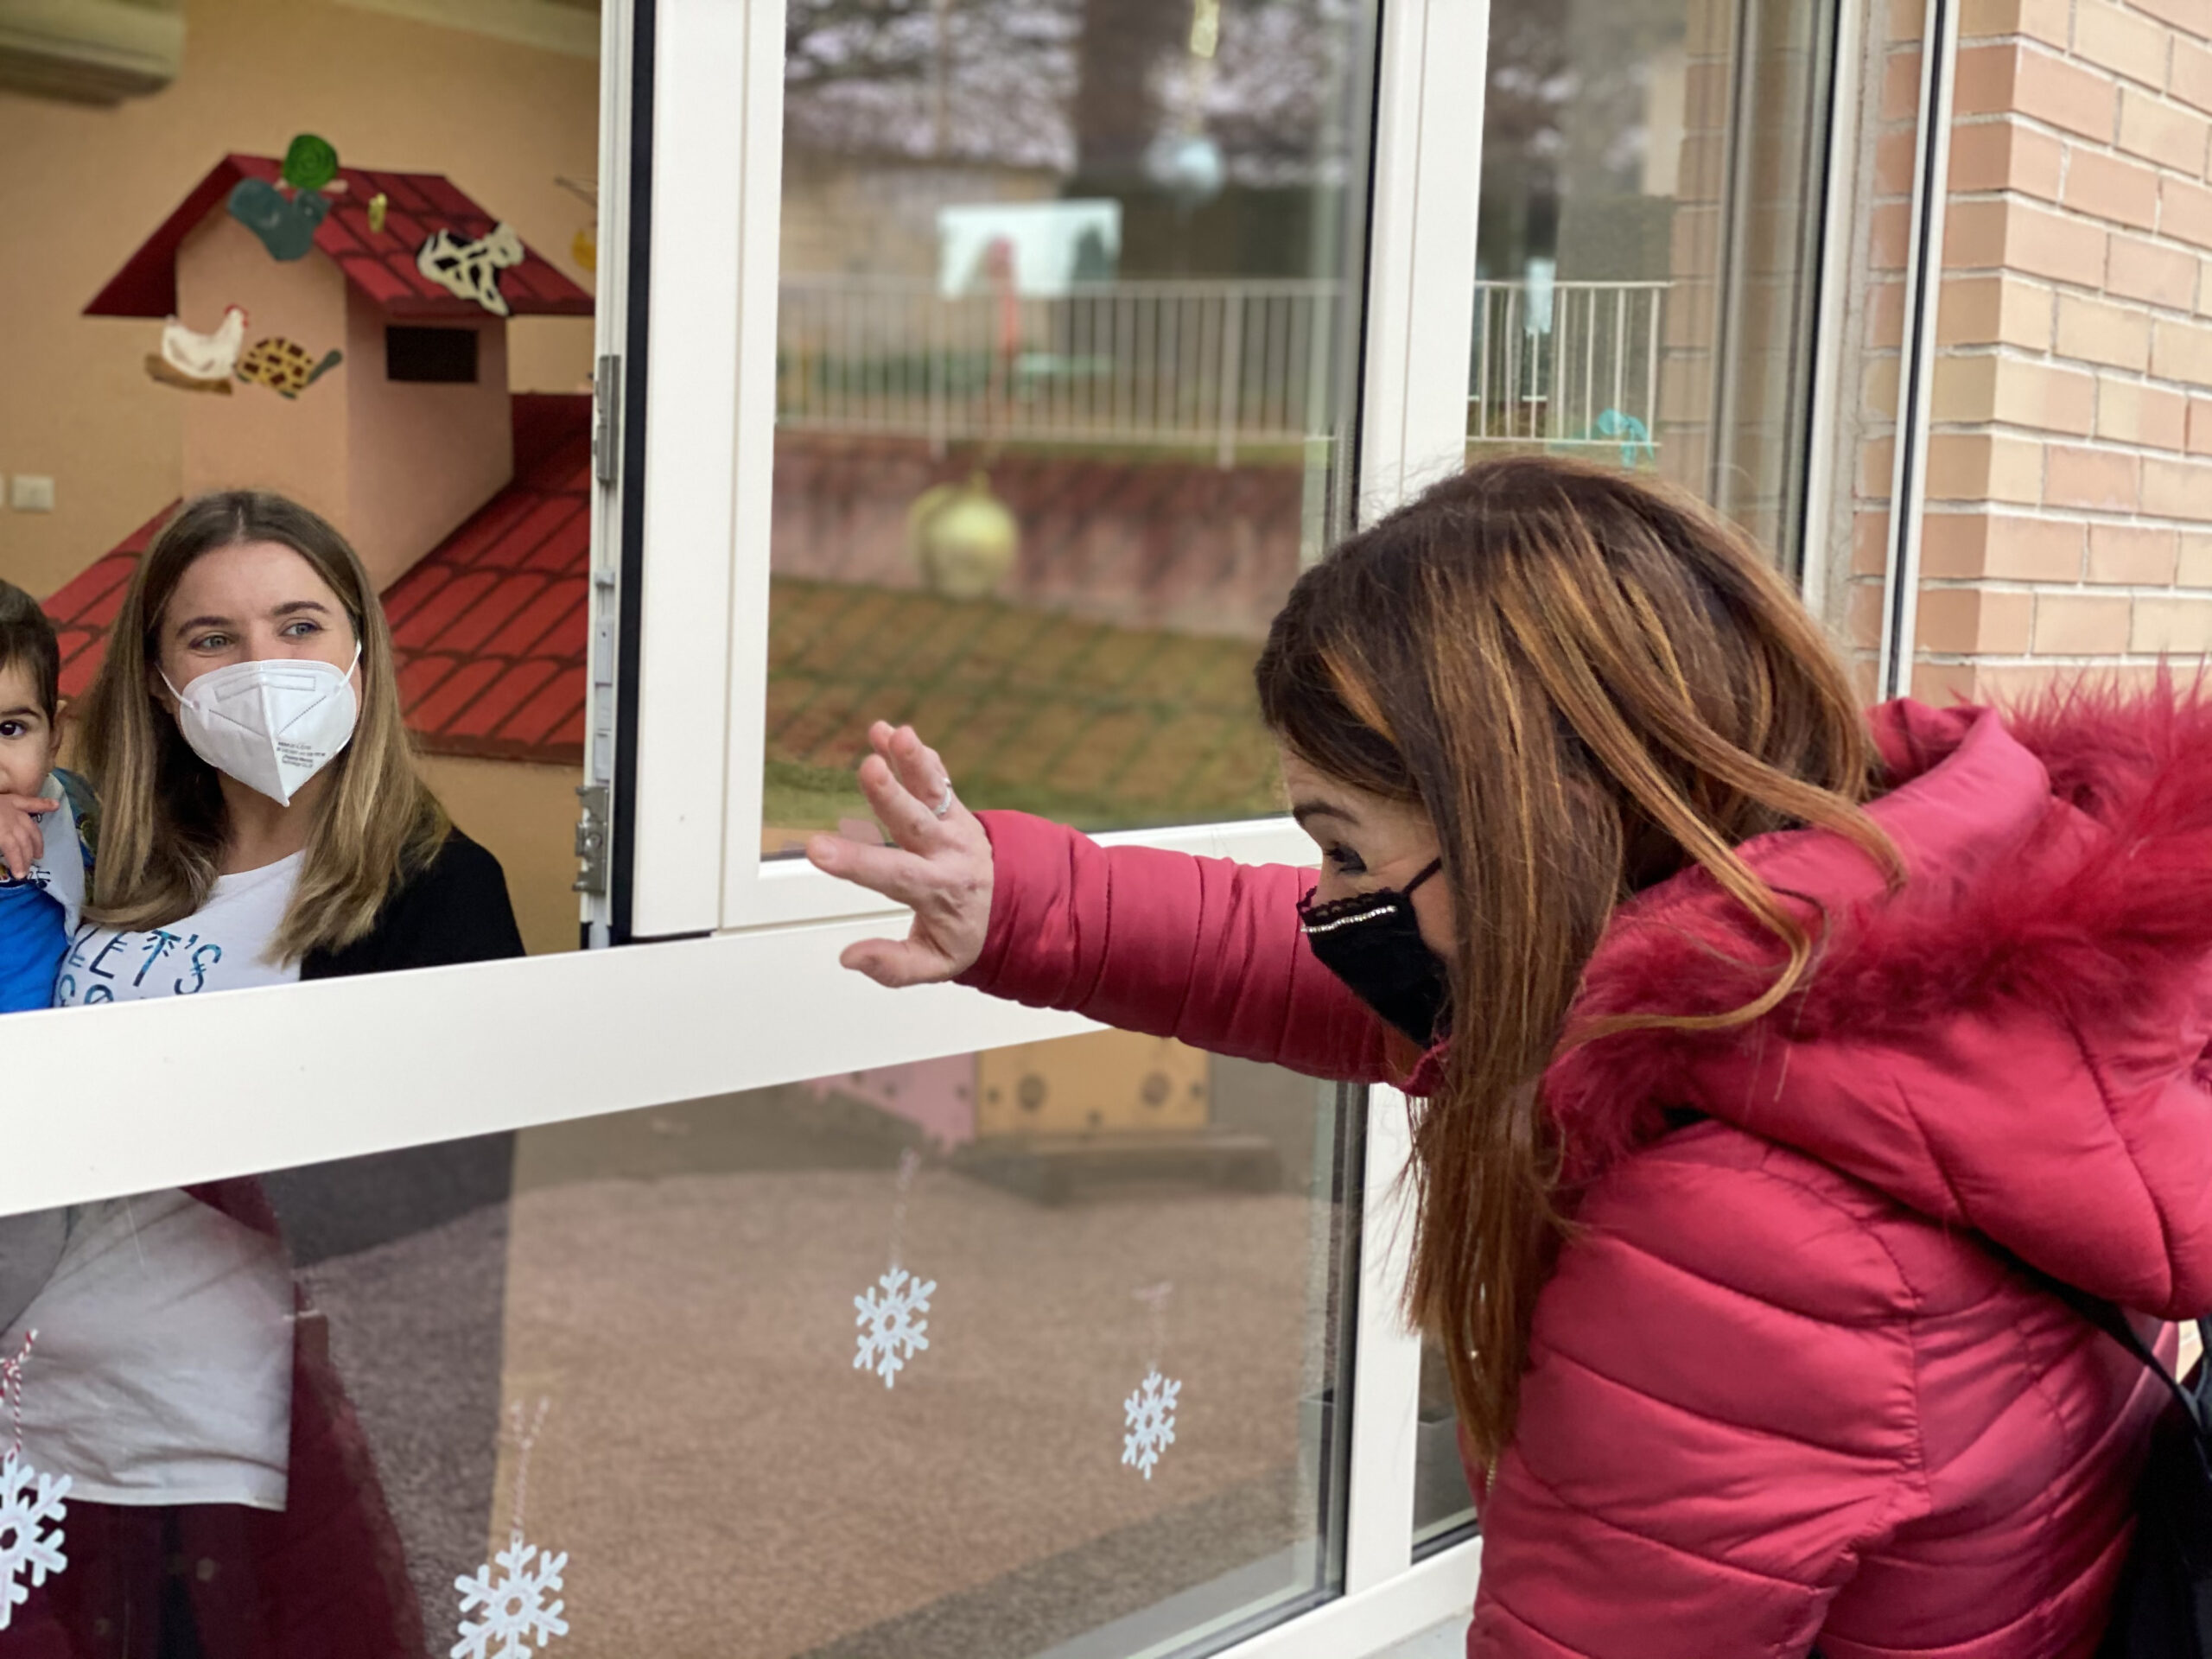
(514, 1606)
(30, 1503)
(890, 1333)
(1150, 1413)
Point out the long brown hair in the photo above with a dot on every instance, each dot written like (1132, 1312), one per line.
(163, 822)
(1589, 682)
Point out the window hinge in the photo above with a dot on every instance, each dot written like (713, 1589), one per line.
(591, 840)
(607, 421)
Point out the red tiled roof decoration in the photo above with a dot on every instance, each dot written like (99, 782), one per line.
(488, 629)
(83, 609)
(381, 264)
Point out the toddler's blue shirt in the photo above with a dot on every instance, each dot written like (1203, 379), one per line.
(34, 935)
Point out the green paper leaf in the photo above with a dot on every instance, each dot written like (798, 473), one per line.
(310, 163)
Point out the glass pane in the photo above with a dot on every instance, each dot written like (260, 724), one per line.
(1035, 1351)
(1444, 1507)
(225, 272)
(1651, 196)
(1063, 350)
(1856, 516)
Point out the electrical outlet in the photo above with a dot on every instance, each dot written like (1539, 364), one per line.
(29, 492)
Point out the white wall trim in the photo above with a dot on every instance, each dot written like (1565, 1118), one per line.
(1413, 431)
(684, 656)
(1372, 1620)
(1421, 287)
(182, 1090)
(1386, 1361)
(742, 900)
(1824, 431)
(1923, 287)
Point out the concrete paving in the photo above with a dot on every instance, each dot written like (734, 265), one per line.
(680, 1285)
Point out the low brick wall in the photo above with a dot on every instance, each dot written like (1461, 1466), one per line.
(1171, 544)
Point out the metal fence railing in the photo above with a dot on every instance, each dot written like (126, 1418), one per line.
(1566, 365)
(1215, 365)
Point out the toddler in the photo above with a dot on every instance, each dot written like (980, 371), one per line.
(44, 813)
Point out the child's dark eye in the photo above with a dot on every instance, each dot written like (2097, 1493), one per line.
(12, 729)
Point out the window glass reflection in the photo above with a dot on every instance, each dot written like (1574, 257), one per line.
(1061, 340)
(1652, 178)
(1443, 1505)
(345, 254)
(1033, 1351)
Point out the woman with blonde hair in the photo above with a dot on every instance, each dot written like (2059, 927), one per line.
(262, 821)
(1771, 1067)
(262, 818)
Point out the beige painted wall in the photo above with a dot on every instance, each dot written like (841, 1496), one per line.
(419, 459)
(253, 438)
(526, 815)
(80, 188)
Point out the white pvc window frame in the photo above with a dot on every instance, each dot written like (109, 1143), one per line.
(743, 991)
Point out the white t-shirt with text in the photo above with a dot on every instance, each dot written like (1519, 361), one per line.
(218, 948)
(162, 1372)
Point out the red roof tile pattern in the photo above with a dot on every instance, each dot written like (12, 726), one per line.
(83, 608)
(381, 264)
(488, 629)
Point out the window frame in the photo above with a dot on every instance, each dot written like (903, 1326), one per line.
(740, 988)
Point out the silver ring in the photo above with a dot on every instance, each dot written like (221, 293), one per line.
(944, 801)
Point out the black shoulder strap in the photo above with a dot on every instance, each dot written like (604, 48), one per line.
(2109, 1317)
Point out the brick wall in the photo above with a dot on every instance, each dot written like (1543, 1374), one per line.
(2069, 459)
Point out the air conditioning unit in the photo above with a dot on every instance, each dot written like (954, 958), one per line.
(90, 51)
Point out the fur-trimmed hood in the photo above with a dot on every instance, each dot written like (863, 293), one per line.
(2016, 1042)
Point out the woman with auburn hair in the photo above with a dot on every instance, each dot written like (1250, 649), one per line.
(260, 821)
(1763, 1060)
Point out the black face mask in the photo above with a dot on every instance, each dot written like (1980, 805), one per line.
(1372, 942)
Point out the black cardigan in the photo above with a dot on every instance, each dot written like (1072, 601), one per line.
(453, 909)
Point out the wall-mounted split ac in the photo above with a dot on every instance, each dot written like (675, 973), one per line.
(90, 51)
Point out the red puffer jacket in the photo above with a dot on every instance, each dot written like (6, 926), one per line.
(1782, 1392)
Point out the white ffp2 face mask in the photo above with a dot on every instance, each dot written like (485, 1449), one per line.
(272, 725)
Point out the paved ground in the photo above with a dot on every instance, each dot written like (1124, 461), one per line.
(680, 1285)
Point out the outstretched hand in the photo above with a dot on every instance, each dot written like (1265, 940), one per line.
(940, 867)
(21, 840)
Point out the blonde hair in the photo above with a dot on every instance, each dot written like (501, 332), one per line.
(1590, 684)
(163, 825)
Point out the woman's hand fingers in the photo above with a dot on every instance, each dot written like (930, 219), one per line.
(918, 766)
(899, 875)
(911, 824)
(940, 869)
(896, 963)
(913, 771)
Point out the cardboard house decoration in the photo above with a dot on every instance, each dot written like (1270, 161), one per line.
(409, 434)
(470, 506)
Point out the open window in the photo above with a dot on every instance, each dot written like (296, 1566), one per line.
(704, 381)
